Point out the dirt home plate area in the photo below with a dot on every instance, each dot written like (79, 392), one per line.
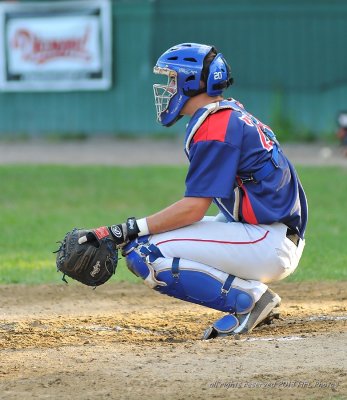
(125, 341)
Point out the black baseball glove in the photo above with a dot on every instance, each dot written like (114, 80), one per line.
(90, 262)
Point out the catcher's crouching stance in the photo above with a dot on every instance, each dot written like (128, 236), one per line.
(236, 162)
(90, 256)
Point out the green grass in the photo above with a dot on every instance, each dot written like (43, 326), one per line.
(325, 254)
(40, 203)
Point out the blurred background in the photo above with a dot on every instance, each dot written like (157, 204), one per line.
(84, 68)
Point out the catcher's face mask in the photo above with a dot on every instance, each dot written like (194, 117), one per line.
(164, 92)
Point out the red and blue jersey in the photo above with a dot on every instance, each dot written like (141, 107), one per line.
(236, 160)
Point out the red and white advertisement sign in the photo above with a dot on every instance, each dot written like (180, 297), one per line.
(55, 46)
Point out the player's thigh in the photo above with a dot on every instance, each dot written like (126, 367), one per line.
(244, 250)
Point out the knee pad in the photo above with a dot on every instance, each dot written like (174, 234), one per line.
(139, 255)
(186, 280)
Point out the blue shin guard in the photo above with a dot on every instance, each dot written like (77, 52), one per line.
(201, 287)
(188, 281)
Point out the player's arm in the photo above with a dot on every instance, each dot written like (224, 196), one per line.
(182, 213)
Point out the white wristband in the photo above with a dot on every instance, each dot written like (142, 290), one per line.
(142, 225)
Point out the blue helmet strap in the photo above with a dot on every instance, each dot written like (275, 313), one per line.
(216, 87)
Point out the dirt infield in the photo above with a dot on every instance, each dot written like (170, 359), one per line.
(124, 341)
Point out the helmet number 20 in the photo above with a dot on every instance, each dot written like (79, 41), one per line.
(217, 75)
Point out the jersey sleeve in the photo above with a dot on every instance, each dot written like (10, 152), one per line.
(212, 170)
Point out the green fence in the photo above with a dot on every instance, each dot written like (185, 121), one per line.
(288, 58)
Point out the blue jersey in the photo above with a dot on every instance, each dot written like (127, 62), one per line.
(236, 160)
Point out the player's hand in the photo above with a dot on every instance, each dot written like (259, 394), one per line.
(120, 233)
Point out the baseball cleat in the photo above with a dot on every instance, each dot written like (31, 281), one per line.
(262, 312)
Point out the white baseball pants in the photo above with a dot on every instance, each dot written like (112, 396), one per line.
(252, 252)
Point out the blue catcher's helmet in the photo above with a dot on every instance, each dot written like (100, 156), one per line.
(183, 67)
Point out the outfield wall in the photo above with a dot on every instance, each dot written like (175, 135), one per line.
(288, 58)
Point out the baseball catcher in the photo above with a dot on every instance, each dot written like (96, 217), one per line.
(223, 262)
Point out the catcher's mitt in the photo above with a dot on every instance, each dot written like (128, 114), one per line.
(92, 263)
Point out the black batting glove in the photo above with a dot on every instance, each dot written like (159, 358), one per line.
(123, 233)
